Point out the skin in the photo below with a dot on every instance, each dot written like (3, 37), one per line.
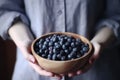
(23, 38)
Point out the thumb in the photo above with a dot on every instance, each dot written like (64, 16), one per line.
(28, 56)
(96, 52)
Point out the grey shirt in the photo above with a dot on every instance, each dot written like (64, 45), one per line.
(83, 17)
(78, 16)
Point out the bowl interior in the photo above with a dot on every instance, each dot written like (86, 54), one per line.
(85, 40)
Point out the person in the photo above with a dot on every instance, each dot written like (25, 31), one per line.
(98, 20)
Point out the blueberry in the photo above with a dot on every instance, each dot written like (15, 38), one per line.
(85, 49)
(72, 44)
(71, 55)
(78, 40)
(49, 57)
(41, 51)
(61, 42)
(78, 55)
(55, 39)
(37, 44)
(81, 52)
(62, 58)
(40, 46)
(43, 55)
(45, 43)
(44, 47)
(66, 51)
(41, 41)
(70, 48)
(50, 51)
(46, 51)
(57, 46)
(77, 44)
(67, 44)
(47, 39)
(69, 40)
(59, 37)
(54, 51)
(38, 53)
(64, 47)
(54, 57)
(62, 52)
(73, 40)
(59, 56)
(74, 50)
(65, 37)
(51, 43)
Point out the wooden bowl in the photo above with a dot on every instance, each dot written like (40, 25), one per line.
(60, 67)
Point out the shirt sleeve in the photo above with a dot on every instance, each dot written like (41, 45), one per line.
(11, 10)
(112, 17)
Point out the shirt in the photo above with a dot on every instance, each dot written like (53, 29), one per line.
(84, 17)
(78, 16)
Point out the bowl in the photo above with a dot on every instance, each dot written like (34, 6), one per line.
(66, 66)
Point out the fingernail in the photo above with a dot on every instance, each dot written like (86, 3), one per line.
(91, 61)
(58, 77)
(70, 75)
(32, 59)
(78, 72)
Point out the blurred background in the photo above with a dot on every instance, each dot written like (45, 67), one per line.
(7, 59)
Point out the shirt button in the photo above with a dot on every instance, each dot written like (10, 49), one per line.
(59, 12)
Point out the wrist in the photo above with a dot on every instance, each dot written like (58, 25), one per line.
(104, 37)
(21, 35)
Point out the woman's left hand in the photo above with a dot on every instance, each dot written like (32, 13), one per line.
(97, 49)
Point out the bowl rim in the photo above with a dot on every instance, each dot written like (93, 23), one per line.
(52, 33)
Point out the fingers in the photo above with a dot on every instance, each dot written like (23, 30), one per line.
(32, 61)
(90, 62)
(81, 71)
(26, 51)
(40, 70)
(44, 72)
(30, 58)
(71, 74)
(59, 77)
(75, 73)
(96, 52)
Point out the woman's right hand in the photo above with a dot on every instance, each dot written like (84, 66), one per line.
(32, 61)
(23, 38)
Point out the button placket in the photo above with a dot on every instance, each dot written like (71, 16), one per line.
(60, 18)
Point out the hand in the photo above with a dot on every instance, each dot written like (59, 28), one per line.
(97, 49)
(103, 38)
(32, 61)
(23, 38)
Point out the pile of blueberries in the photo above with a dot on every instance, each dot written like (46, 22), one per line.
(60, 47)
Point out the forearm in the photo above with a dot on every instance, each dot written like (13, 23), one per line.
(20, 34)
(104, 37)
